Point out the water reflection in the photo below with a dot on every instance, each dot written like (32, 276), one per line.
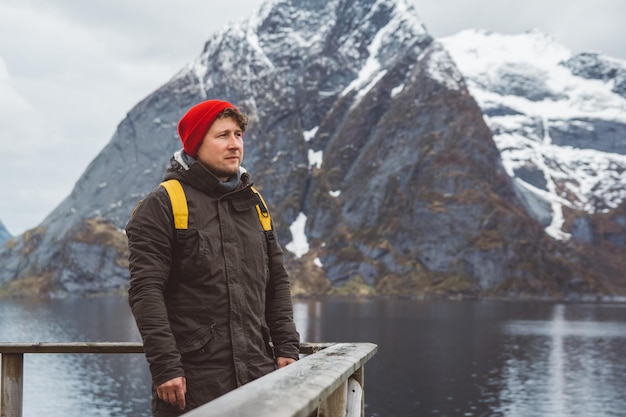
(555, 380)
(558, 367)
(439, 358)
(435, 358)
(77, 385)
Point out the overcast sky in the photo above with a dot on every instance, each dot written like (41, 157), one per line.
(70, 70)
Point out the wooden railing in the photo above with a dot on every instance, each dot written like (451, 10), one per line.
(327, 382)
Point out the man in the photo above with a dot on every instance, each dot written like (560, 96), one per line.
(213, 306)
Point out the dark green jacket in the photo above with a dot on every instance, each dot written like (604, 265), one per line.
(224, 288)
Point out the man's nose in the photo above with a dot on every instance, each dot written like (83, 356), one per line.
(234, 141)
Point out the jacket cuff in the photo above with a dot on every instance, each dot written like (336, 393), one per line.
(287, 351)
(162, 377)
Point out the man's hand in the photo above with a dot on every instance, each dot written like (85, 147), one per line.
(173, 391)
(282, 362)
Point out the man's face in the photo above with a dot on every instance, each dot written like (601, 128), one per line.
(221, 150)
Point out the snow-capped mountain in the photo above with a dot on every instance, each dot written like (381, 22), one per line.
(558, 119)
(376, 161)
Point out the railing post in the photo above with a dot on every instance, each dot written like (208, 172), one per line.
(335, 404)
(12, 385)
(359, 376)
(355, 403)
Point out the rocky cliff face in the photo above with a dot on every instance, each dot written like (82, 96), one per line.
(559, 121)
(362, 131)
(4, 234)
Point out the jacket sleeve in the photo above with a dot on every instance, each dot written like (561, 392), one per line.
(279, 306)
(150, 234)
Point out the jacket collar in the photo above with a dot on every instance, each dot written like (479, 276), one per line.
(188, 170)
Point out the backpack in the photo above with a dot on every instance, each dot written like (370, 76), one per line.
(181, 212)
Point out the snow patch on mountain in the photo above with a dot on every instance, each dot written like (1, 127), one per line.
(560, 131)
(441, 68)
(299, 244)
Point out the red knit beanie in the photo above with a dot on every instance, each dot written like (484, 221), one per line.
(193, 126)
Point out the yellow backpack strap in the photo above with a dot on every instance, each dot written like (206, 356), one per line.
(179, 206)
(264, 215)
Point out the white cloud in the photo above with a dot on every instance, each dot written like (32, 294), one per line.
(69, 73)
(580, 25)
(18, 118)
(27, 143)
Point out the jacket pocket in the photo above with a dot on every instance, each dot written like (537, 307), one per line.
(197, 340)
(204, 357)
(192, 328)
(199, 251)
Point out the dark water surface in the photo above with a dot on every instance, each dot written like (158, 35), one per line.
(435, 358)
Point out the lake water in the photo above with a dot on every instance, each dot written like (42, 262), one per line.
(435, 358)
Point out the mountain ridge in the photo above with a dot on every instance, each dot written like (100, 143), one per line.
(365, 128)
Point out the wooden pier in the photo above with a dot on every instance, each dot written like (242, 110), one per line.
(327, 382)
